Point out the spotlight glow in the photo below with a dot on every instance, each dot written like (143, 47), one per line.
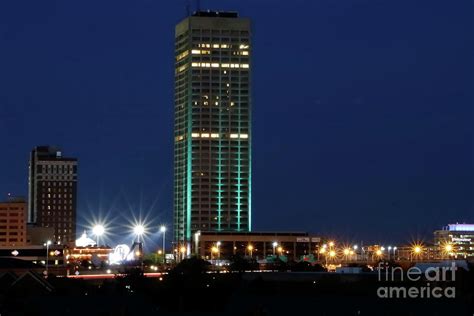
(98, 230)
(139, 230)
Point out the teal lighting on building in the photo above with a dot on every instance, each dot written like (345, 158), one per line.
(212, 127)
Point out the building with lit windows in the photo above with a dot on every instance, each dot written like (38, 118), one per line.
(258, 245)
(212, 128)
(13, 222)
(455, 241)
(52, 192)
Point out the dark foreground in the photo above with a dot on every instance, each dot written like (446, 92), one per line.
(192, 292)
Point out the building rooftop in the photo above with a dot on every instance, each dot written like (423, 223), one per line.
(216, 14)
(461, 227)
(254, 233)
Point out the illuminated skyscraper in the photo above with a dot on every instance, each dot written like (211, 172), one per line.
(52, 192)
(212, 134)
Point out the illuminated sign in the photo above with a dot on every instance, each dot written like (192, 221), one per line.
(119, 254)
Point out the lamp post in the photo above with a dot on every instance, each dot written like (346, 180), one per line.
(218, 244)
(163, 231)
(139, 230)
(274, 244)
(47, 255)
(250, 248)
(98, 230)
(389, 254)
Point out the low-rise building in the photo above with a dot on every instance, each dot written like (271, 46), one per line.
(259, 245)
(13, 213)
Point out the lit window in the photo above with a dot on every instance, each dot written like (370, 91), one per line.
(196, 52)
(195, 135)
(245, 136)
(205, 135)
(215, 46)
(214, 135)
(215, 65)
(243, 46)
(234, 135)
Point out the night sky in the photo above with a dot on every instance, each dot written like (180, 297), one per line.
(362, 110)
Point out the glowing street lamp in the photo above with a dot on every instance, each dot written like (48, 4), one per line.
(280, 250)
(274, 244)
(346, 252)
(98, 230)
(139, 230)
(182, 250)
(416, 250)
(250, 248)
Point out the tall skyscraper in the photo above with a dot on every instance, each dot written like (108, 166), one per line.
(212, 165)
(52, 192)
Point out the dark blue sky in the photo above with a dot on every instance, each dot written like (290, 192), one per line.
(363, 109)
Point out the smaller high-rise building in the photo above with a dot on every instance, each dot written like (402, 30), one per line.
(13, 222)
(53, 192)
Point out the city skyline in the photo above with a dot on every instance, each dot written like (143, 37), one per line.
(387, 153)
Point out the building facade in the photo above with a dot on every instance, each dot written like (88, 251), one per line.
(212, 134)
(258, 245)
(455, 241)
(13, 222)
(52, 192)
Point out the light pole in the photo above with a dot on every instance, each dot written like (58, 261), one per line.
(389, 254)
(98, 230)
(139, 230)
(218, 244)
(163, 231)
(275, 244)
(47, 255)
(250, 248)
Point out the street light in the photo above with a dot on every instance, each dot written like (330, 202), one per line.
(274, 244)
(98, 230)
(47, 255)
(346, 252)
(416, 250)
(163, 231)
(280, 250)
(250, 248)
(139, 230)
